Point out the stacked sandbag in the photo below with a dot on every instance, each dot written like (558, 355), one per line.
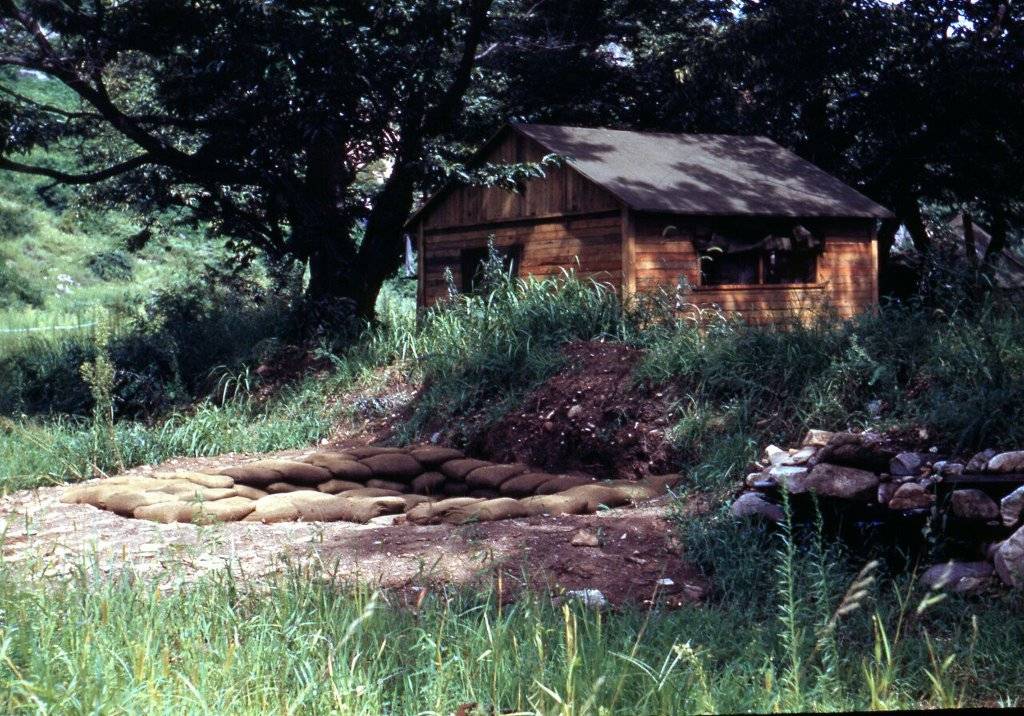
(430, 484)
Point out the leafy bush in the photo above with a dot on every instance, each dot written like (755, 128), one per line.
(16, 290)
(15, 220)
(110, 265)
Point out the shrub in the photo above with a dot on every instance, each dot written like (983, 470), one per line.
(15, 221)
(16, 290)
(110, 266)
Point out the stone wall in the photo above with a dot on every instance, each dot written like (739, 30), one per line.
(965, 511)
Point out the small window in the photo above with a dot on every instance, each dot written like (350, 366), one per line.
(758, 254)
(789, 267)
(719, 268)
(472, 264)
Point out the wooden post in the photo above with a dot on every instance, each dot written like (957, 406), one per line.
(421, 286)
(628, 253)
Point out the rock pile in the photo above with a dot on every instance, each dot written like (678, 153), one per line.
(976, 505)
(423, 485)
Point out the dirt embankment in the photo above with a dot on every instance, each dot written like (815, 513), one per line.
(592, 417)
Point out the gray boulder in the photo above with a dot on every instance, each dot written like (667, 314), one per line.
(1011, 506)
(911, 496)
(957, 576)
(979, 462)
(867, 451)
(973, 505)
(906, 463)
(792, 477)
(848, 483)
(1007, 462)
(750, 505)
(1009, 560)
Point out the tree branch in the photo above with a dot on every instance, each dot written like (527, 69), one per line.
(85, 178)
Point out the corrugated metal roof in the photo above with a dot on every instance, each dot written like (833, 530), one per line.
(703, 174)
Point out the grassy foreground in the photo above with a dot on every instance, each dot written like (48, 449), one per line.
(300, 645)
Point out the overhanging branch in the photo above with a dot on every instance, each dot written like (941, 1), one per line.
(83, 178)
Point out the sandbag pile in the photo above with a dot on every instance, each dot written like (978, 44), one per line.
(423, 485)
(974, 507)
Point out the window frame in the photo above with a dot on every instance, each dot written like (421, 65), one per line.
(759, 228)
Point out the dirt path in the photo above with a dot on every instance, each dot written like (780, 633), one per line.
(636, 549)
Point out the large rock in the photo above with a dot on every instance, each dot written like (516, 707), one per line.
(973, 505)
(817, 438)
(775, 455)
(1009, 560)
(1007, 462)
(979, 462)
(906, 464)
(792, 477)
(750, 505)
(839, 481)
(867, 451)
(911, 496)
(957, 576)
(1011, 506)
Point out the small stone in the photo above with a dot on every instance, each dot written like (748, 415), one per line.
(886, 490)
(803, 455)
(549, 427)
(751, 504)
(775, 455)
(589, 597)
(905, 463)
(585, 538)
(1011, 506)
(792, 477)
(973, 505)
(574, 411)
(848, 483)
(817, 438)
(958, 577)
(911, 496)
(950, 469)
(979, 462)
(1007, 462)
(1009, 560)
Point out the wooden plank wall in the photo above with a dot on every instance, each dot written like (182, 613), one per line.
(847, 275)
(562, 191)
(548, 246)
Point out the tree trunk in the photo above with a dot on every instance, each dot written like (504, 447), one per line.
(908, 209)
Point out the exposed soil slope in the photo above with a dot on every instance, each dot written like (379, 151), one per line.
(591, 417)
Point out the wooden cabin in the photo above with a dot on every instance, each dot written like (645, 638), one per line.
(739, 221)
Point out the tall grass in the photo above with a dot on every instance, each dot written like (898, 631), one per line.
(301, 643)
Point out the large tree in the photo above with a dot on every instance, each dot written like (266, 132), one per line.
(271, 119)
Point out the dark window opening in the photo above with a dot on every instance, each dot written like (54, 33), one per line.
(472, 264)
(758, 254)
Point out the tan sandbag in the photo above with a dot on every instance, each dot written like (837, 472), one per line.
(387, 485)
(365, 509)
(487, 493)
(338, 509)
(597, 496)
(429, 483)
(525, 484)
(278, 488)
(635, 491)
(561, 483)
(432, 456)
(205, 480)
(125, 503)
(252, 474)
(459, 468)
(298, 473)
(429, 513)
(370, 492)
(491, 476)
(251, 492)
(371, 450)
(394, 466)
(342, 467)
(455, 488)
(79, 494)
(165, 512)
(501, 508)
(205, 494)
(333, 487)
(284, 507)
(231, 509)
(663, 483)
(413, 500)
(554, 505)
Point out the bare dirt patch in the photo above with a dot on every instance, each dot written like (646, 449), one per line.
(592, 416)
(635, 549)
